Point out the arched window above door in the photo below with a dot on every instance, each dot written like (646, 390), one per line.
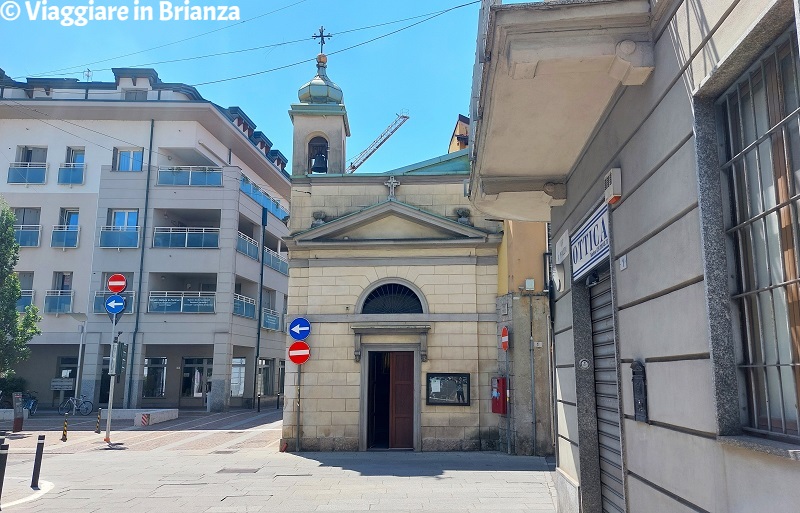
(392, 298)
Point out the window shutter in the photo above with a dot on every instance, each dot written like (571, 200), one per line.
(114, 158)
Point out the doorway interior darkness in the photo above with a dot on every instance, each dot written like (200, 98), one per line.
(391, 400)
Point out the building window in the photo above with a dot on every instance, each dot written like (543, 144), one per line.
(27, 228)
(761, 173)
(237, 376)
(26, 290)
(155, 377)
(71, 171)
(30, 167)
(65, 234)
(392, 298)
(127, 160)
(135, 96)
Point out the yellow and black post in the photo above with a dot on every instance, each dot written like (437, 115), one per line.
(64, 433)
(97, 426)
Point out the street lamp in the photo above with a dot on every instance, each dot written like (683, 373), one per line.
(80, 317)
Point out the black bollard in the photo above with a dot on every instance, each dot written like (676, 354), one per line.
(3, 460)
(259, 404)
(37, 462)
(64, 433)
(278, 402)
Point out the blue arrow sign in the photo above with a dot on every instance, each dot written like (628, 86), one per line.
(300, 328)
(115, 304)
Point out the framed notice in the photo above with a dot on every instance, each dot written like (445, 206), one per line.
(447, 388)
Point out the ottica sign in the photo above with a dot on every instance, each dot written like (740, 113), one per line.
(589, 244)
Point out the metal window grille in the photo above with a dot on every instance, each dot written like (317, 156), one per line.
(392, 298)
(760, 126)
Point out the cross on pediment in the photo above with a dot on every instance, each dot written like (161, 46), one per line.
(321, 36)
(392, 184)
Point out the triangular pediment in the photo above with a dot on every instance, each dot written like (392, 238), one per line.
(393, 222)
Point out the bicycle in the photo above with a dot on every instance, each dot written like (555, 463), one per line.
(31, 402)
(84, 406)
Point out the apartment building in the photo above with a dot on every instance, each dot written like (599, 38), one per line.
(151, 180)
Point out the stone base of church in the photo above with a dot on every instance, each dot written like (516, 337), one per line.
(321, 444)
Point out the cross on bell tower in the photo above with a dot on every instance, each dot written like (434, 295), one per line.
(321, 36)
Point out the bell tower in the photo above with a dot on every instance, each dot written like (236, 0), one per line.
(320, 123)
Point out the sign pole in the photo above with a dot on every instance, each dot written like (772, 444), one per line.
(297, 424)
(111, 369)
(508, 408)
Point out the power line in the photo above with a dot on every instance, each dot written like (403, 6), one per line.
(174, 42)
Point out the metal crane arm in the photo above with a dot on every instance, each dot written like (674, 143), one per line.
(372, 148)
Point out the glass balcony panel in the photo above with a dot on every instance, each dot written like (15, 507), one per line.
(99, 303)
(204, 239)
(190, 175)
(70, 174)
(119, 237)
(182, 302)
(262, 198)
(207, 178)
(173, 177)
(27, 235)
(25, 300)
(247, 246)
(244, 306)
(271, 320)
(64, 237)
(276, 261)
(166, 237)
(58, 301)
(27, 172)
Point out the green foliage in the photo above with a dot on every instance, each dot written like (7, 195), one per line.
(16, 329)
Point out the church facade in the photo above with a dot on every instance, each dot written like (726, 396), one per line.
(398, 280)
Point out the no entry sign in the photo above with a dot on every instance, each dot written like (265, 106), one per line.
(117, 283)
(504, 339)
(299, 352)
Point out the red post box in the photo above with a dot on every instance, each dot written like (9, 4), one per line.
(499, 401)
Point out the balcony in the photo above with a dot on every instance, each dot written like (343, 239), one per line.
(71, 173)
(65, 236)
(262, 198)
(27, 172)
(271, 320)
(168, 237)
(25, 300)
(27, 235)
(244, 306)
(276, 261)
(167, 302)
(58, 301)
(119, 237)
(247, 246)
(199, 176)
(100, 297)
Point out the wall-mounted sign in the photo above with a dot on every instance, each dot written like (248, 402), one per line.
(447, 388)
(562, 247)
(589, 244)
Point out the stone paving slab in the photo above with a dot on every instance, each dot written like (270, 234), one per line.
(179, 466)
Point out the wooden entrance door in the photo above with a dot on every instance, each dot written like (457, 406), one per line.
(401, 400)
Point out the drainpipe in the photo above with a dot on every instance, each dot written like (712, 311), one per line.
(264, 218)
(132, 350)
(533, 381)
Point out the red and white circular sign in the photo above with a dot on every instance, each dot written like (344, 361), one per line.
(504, 338)
(299, 352)
(117, 283)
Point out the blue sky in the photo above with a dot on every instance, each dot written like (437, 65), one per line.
(426, 69)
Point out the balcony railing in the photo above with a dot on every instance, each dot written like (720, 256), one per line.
(244, 306)
(27, 172)
(190, 175)
(100, 297)
(247, 246)
(25, 300)
(71, 173)
(271, 320)
(58, 301)
(65, 236)
(182, 302)
(27, 235)
(276, 261)
(119, 237)
(168, 237)
(262, 198)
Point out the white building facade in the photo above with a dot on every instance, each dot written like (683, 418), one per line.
(150, 180)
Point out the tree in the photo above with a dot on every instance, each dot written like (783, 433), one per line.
(17, 329)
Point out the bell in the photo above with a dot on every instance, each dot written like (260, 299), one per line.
(320, 164)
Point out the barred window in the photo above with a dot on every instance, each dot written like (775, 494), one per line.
(392, 298)
(155, 377)
(761, 148)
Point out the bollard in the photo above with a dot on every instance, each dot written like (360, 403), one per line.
(3, 460)
(64, 433)
(97, 426)
(37, 463)
(278, 402)
(259, 403)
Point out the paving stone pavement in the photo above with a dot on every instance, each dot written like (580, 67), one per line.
(219, 463)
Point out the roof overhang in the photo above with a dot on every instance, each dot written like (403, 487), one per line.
(546, 76)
